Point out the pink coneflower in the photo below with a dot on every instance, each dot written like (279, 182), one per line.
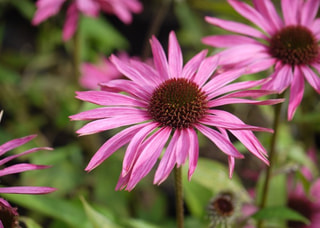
(9, 216)
(290, 44)
(123, 9)
(169, 103)
(21, 167)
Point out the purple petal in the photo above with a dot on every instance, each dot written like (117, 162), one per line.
(296, 92)
(168, 160)
(206, 69)
(113, 144)
(267, 9)
(9, 158)
(19, 168)
(174, 56)
(290, 10)
(309, 12)
(280, 79)
(220, 141)
(159, 58)
(111, 123)
(311, 77)
(151, 150)
(193, 64)
(133, 147)
(236, 27)
(252, 15)
(193, 151)
(15, 143)
(71, 23)
(109, 98)
(27, 190)
(222, 41)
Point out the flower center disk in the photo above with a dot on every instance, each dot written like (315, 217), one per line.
(177, 103)
(294, 45)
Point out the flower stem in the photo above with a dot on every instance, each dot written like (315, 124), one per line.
(179, 196)
(272, 154)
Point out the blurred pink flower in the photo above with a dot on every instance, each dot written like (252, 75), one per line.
(93, 74)
(167, 103)
(8, 215)
(21, 167)
(123, 9)
(290, 44)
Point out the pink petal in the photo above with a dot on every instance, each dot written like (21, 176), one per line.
(309, 12)
(9, 158)
(290, 10)
(15, 143)
(111, 123)
(27, 190)
(261, 65)
(105, 112)
(231, 162)
(222, 41)
(174, 56)
(168, 160)
(220, 141)
(206, 69)
(19, 168)
(71, 22)
(315, 27)
(311, 77)
(46, 9)
(193, 151)
(235, 27)
(133, 147)
(151, 151)
(280, 79)
(113, 144)
(159, 58)
(148, 70)
(226, 101)
(267, 9)
(182, 148)
(193, 64)
(251, 14)
(296, 92)
(109, 98)
(122, 182)
(88, 7)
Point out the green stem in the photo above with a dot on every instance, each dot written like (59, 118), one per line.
(179, 196)
(272, 155)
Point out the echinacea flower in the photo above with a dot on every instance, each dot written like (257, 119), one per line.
(8, 215)
(20, 167)
(123, 9)
(168, 104)
(290, 44)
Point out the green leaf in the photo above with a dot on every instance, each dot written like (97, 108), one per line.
(280, 213)
(67, 211)
(30, 223)
(97, 219)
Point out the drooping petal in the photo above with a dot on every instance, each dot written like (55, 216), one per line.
(280, 79)
(27, 190)
(235, 27)
(133, 147)
(312, 77)
(296, 92)
(113, 144)
(193, 151)
(220, 141)
(174, 57)
(46, 9)
(71, 23)
(151, 150)
(15, 143)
